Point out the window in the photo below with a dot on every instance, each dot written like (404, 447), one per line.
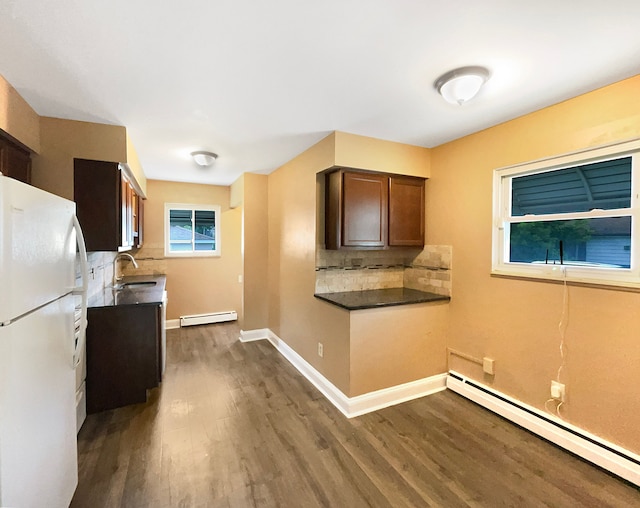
(191, 230)
(575, 216)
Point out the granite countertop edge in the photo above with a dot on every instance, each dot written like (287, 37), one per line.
(110, 297)
(376, 298)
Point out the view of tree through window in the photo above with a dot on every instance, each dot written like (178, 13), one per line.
(604, 241)
(572, 192)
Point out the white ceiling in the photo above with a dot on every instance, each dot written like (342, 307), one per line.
(260, 81)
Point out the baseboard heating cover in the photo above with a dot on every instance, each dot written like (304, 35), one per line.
(609, 456)
(205, 319)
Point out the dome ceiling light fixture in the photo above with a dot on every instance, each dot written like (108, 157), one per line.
(203, 158)
(461, 85)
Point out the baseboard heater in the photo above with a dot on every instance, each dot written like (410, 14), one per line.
(609, 456)
(206, 319)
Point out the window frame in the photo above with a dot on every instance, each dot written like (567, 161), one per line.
(217, 252)
(502, 218)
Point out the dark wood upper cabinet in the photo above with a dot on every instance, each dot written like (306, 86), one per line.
(137, 211)
(105, 201)
(364, 209)
(15, 162)
(406, 211)
(369, 210)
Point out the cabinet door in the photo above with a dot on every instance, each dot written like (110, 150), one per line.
(15, 162)
(134, 221)
(406, 211)
(126, 204)
(364, 209)
(122, 355)
(139, 222)
(97, 192)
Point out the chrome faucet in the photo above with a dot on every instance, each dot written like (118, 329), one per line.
(115, 265)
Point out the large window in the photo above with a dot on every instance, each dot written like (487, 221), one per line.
(575, 216)
(192, 230)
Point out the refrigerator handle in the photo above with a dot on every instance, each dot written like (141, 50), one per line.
(82, 291)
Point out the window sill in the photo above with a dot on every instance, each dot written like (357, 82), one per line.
(192, 255)
(557, 278)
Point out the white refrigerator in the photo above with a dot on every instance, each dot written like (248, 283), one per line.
(39, 352)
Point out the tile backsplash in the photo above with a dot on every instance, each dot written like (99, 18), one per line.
(430, 270)
(150, 262)
(355, 270)
(150, 259)
(100, 266)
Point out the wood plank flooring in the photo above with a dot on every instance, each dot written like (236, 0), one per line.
(234, 425)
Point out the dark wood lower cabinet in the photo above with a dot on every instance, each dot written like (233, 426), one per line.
(123, 350)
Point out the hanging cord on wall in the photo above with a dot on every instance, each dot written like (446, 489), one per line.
(562, 329)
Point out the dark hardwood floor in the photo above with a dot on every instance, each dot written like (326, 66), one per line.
(234, 425)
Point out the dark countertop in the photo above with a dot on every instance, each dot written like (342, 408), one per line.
(140, 295)
(374, 298)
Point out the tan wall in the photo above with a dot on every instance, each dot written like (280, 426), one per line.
(295, 207)
(63, 140)
(255, 250)
(17, 118)
(294, 314)
(196, 285)
(134, 164)
(516, 322)
(395, 345)
(236, 196)
(57, 142)
(369, 153)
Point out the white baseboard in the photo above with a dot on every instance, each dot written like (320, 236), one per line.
(350, 406)
(590, 447)
(170, 324)
(372, 401)
(251, 335)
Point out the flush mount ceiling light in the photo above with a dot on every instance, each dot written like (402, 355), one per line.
(461, 85)
(203, 158)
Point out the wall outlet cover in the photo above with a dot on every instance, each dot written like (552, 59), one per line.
(557, 390)
(488, 365)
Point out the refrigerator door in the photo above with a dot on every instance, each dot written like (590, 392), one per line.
(38, 451)
(37, 248)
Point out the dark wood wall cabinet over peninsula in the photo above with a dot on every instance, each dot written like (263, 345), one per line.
(15, 162)
(108, 206)
(370, 210)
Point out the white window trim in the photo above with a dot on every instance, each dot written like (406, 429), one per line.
(192, 254)
(620, 277)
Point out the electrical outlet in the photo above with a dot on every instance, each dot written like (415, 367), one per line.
(320, 350)
(557, 391)
(487, 365)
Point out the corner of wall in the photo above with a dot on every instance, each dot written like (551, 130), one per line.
(63, 140)
(17, 118)
(236, 192)
(134, 164)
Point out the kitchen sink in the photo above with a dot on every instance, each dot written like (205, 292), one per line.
(133, 285)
